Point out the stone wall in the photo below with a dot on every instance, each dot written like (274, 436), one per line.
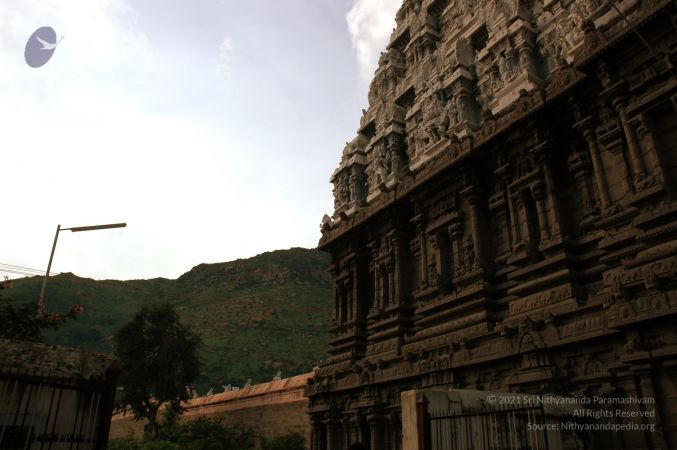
(272, 409)
(506, 217)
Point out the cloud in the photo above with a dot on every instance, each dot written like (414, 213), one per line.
(225, 56)
(370, 23)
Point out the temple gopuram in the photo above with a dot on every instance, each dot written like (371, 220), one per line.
(506, 221)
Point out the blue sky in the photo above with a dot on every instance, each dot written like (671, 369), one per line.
(211, 127)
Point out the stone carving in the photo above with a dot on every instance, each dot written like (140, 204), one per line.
(469, 259)
(327, 223)
(519, 245)
(431, 119)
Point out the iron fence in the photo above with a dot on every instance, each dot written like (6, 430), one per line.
(53, 415)
(521, 428)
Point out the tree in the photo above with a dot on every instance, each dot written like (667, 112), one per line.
(291, 441)
(158, 357)
(22, 321)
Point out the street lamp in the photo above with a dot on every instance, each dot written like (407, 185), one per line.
(41, 301)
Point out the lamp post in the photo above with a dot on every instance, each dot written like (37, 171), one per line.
(41, 301)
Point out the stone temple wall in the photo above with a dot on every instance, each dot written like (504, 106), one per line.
(506, 217)
(272, 409)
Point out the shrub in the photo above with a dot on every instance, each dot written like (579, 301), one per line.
(291, 441)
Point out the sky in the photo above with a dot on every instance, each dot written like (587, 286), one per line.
(211, 127)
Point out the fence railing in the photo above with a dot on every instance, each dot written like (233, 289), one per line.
(501, 429)
(52, 415)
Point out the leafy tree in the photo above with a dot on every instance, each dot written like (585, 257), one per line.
(22, 322)
(291, 441)
(210, 434)
(159, 358)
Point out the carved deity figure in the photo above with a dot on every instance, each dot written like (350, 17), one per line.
(449, 118)
(433, 275)
(469, 260)
(382, 164)
(344, 192)
(431, 118)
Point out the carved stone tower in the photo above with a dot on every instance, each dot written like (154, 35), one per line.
(506, 217)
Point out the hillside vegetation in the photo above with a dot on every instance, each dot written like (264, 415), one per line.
(256, 316)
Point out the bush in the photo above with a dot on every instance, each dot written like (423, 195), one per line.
(159, 445)
(127, 443)
(210, 434)
(199, 434)
(292, 441)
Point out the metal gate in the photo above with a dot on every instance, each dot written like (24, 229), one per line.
(501, 429)
(50, 415)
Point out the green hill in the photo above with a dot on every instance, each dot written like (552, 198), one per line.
(256, 316)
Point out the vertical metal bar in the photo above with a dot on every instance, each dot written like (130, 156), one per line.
(81, 437)
(38, 419)
(545, 433)
(23, 422)
(484, 431)
(536, 433)
(28, 401)
(89, 417)
(93, 442)
(9, 404)
(4, 393)
(56, 416)
(473, 424)
(77, 415)
(491, 430)
(466, 432)
(18, 408)
(49, 415)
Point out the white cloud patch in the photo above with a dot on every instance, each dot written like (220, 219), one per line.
(370, 23)
(91, 137)
(225, 56)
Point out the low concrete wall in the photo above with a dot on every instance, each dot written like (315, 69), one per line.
(272, 409)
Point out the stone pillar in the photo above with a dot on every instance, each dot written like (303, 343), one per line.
(580, 169)
(419, 222)
(351, 287)
(363, 432)
(514, 208)
(471, 194)
(645, 389)
(539, 196)
(347, 437)
(648, 145)
(442, 257)
(502, 174)
(333, 434)
(317, 436)
(397, 275)
(376, 429)
(551, 193)
(456, 234)
(596, 160)
(341, 303)
(395, 441)
(335, 316)
(636, 163)
(378, 288)
(390, 270)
